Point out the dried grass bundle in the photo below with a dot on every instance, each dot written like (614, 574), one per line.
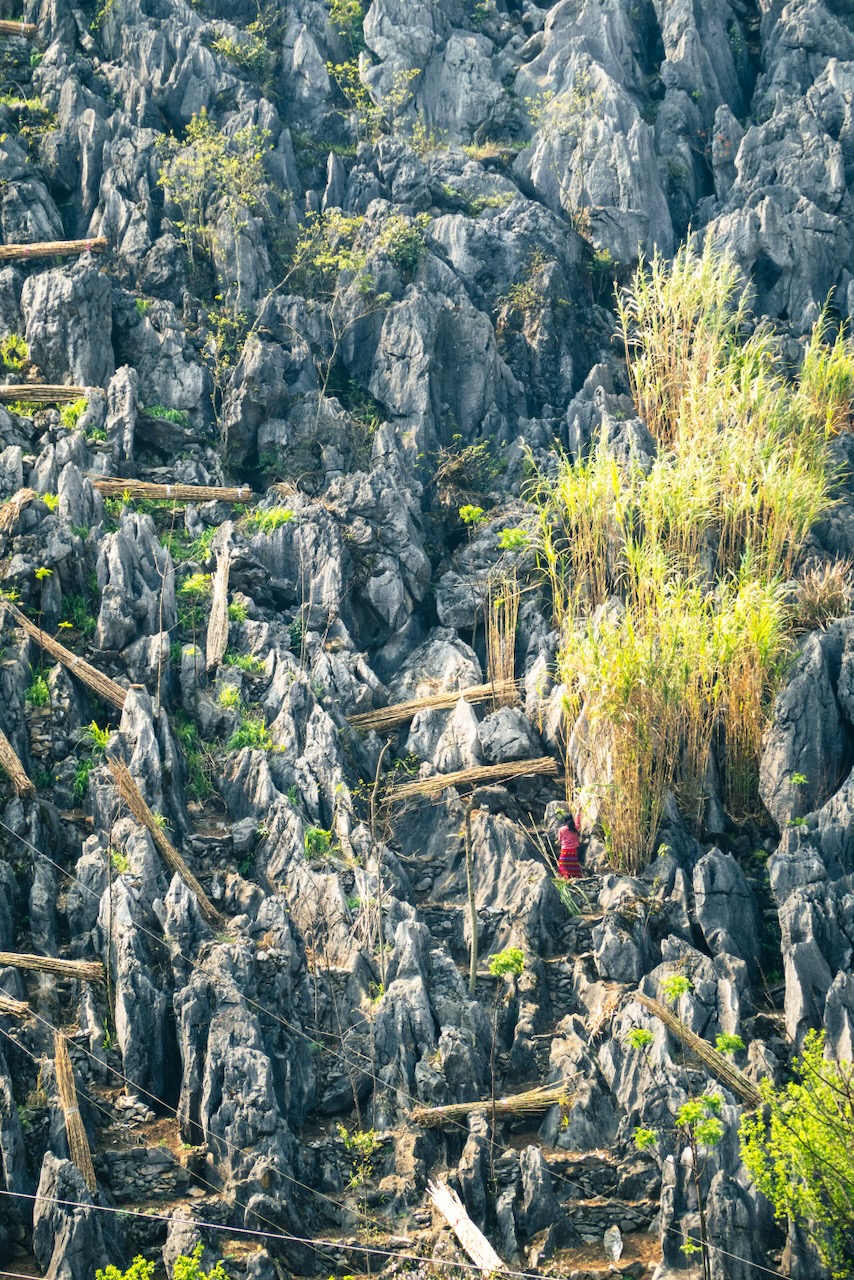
(15, 771)
(26, 29)
(43, 393)
(217, 640)
(78, 1143)
(105, 688)
(502, 615)
(400, 712)
(51, 248)
(113, 488)
(545, 765)
(13, 1008)
(11, 510)
(81, 970)
(135, 801)
(720, 1067)
(531, 1102)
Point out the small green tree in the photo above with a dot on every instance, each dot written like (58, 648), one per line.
(210, 174)
(799, 1151)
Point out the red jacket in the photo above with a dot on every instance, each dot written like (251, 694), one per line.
(568, 866)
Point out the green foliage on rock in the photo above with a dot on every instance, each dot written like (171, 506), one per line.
(798, 1150)
(211, 174)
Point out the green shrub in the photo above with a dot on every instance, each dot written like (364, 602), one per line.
(37, 692)
(245, 662)
(229, 697)
(14, 353)
(247, 52)
(237, 611)
(70, 414)
(210, 172)
(251, 732)
(178, 416)
(82, 769)
(267, 520)
(317, 842)
(404, 240)
(509, 961)
(798, 1150)
(76, 611)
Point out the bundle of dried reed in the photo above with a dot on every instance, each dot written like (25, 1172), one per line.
(51, 248)
(217, 640)
(13, 1008)
(721, 1067)
(113, 488)
(481, 775)
(26, 29)
(135, 801)
(78, 1143)
(9, 511)
(42, 393)
(79, 667)
(531, 1102)
(502, 615)
(388, 717)
(82, 970)
(15, 771)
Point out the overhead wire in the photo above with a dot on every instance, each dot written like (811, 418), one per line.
(194, 964)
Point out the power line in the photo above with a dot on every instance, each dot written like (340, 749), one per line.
(174, 950)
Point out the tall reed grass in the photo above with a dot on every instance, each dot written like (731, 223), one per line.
(668, 586)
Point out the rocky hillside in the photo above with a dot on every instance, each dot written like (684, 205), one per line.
(351, 268)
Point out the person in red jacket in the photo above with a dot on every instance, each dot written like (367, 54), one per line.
(568, 866)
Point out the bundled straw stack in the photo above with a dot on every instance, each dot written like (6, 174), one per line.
(11, 510)
(52, 248)
(112, 488)
(14, 770)
(217, 641)
(389, 717)
(26, 29)
(105, 688)
(78, 1143)
(82, 970)
(42, 393)
(721, 1067)
(531, 1102)
(13, 1008)
(135, 801)
(544, 766)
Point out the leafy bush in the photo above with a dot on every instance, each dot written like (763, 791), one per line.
(76, 611)
(229, 696)
(212, 174)
(267, 520)
(178, 416)
(798, 1150)
(245, 662)
(196, 586)
(70, 414)
(14, 353)
(509, 961)
(404, 239)
(237, 611)
(37, 693)
(247, 52)
(316, 842)
(251, 732)
(82, 769)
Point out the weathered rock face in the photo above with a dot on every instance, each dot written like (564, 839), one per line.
(375, 304)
